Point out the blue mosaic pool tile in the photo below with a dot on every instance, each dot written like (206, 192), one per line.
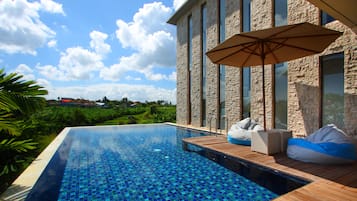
(130, 165)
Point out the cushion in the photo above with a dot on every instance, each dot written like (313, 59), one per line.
(241, 132)
(328, 145)
(244, 123)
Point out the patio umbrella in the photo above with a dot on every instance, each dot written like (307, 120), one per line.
(272, 46)
(342, 10)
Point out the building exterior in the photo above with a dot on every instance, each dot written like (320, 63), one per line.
(301, 95)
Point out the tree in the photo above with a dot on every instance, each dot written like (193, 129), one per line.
(18, 100)
(105, 100)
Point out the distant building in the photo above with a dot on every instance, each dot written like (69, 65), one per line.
(77, 102)
(301, 95)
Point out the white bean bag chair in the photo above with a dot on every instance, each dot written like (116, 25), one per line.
(241, 132)
(328, 145)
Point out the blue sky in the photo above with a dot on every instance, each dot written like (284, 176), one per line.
(91, 49)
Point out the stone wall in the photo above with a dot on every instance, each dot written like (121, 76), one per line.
(196, 73)
(261, 18)
(212, 69)
(233, 74)
(182, 101)
(304, 90)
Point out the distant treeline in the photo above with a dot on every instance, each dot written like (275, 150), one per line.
(52, 119)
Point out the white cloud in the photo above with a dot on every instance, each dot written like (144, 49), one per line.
(178, 3)
(51, 72)
(173, 76)
(115, 92)
(52, 43)
(152, 42)
(51, 7)
(21, 28)
(132, 78)
(44, 83)
(78, 63)
(23, 69)
(97, 43)
(26, 71)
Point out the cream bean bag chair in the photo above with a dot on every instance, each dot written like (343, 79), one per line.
(241, 132)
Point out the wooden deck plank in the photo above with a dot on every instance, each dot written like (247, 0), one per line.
(335, 182)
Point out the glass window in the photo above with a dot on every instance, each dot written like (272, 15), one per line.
(333, 89)
(281, 95)
(190, 42)
(246, 15)
(246, 92)
(222, 96)
(326, 18)
(204, 62)
(280, 12)
(222, 71)
(189, 66)
(222, 18)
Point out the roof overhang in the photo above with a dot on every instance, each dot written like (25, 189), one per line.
(342, 10)
(181, 11)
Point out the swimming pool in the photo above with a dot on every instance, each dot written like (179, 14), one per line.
(138, 163)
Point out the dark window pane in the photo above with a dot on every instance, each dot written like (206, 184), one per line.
(222, 95)
(222, 71)
(204, 65)
(246, 92)
(326, 18)
(190, 42)
(190, 65)
(333, 90)
(222, 18)
(281, 12)
(281, 95)
(246, 15)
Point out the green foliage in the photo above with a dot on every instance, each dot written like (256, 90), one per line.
(16, 145)
(153, 109)
(165, 114)
(18, 100)
(161, 114)
(10, 146)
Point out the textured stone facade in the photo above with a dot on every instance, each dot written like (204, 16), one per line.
(304, 79)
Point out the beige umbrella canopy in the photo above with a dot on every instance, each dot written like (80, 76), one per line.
(342, 10)
(272, 46)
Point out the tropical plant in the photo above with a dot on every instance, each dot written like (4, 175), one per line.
(18, 100)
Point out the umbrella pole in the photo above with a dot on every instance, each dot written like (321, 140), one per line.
(263, 58)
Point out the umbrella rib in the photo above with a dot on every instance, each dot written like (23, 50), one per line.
(245, 46)
(293, 46)
(304, 36)
(284, 30)
(241, 44)
(272, 51)
(251, 53)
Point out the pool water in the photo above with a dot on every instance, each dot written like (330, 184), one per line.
(138, 163)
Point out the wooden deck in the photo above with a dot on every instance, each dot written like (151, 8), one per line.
(335, 182)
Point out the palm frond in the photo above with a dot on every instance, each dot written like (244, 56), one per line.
(15, 84)
(17, 145)
(9, 127)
